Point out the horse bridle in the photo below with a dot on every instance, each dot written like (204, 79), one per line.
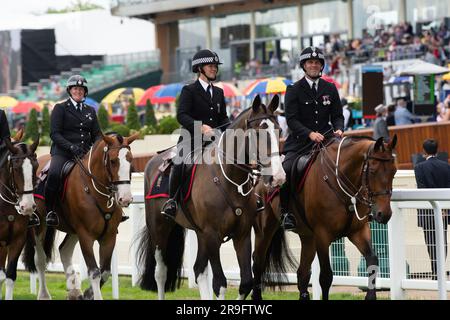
(365, 183)
(13, 189)
(254, 171)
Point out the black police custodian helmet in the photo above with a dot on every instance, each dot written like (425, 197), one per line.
(312, 53)
(203, 57)
(77, 81)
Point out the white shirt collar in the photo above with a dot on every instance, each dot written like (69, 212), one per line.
(430, 157)
(205, 85)
(74, 103)
(310, 82)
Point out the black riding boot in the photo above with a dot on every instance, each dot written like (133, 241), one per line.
(287, 219)
(259, 203)
(51, 219)
(169, 209)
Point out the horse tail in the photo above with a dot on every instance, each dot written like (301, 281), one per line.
(49, 242)
(173, 258)
(278, 261)
(28, 251)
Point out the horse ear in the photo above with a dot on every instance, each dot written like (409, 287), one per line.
(274, 103)
(34, 145)
(393, 143)
(379, 146)
(19, 135)
(130, 139)
(256, 103)
(108, 140)
(10, 146)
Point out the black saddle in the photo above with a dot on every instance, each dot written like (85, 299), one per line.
(300, 169)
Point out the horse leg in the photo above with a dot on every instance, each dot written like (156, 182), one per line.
(73, 282)
(362, 241)
(14, 250)
(3, 254)
(326, 273)
(308, 252)
(40, 260)
(209, 249)
(243, 248)
(87, 244)
(106, 251)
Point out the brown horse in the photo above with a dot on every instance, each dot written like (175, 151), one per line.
(221, 206)
(352, 170)
(96, 189)
(17, 182)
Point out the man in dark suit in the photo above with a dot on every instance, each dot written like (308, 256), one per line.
(74, 128)
(432, 173)
(313, 111)
(201, 109)
(4, 134)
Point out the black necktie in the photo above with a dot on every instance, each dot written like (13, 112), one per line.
(314, 90)
(209, 92)
(79, 107)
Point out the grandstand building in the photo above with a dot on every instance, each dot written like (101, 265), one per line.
(258, 29)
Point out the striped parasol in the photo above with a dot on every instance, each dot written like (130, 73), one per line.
(267, 86)
(229, 89)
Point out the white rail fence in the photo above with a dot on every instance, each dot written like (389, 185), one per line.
(397, 281)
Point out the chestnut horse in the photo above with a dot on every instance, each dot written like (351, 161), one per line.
(353, 170)
(95, 190)
(17, 182)
(221, 206)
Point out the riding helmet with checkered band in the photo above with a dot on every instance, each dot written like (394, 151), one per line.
(77, 81)
(203, 57)
(311, 53)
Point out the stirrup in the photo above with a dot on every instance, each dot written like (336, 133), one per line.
(169, 209)
(259, 205)
(288, 223)
(52, 221)
(34, 221)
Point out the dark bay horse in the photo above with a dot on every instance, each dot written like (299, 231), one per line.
(96, 189)
(221, 206)
(17, 182)
(352, 170)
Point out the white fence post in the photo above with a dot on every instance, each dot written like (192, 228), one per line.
(315, 274)
(440, 251)
(191, 250)
(397, 258)
(114, 275)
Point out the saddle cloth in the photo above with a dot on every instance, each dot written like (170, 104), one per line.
(39, 191)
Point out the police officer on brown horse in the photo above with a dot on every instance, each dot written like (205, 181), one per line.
(200, 103)
(313, 110)
(74, 128)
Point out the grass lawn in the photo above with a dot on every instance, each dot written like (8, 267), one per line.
(57, 286)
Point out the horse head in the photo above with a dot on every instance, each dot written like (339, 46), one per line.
(117, 160)
(379, 175)
(22, 165)
(264, 143)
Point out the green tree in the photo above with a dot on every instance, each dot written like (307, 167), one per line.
(102, 116)
(132, 116)
(150, 119)
(78, 5)
(167, 125)
(45, 128)
(32, 127)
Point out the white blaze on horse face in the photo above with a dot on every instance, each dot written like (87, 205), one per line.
(26, 202)
(124, 196)
(278, 174)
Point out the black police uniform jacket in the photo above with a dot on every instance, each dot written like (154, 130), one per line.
(195, 104)
(69, 126)
(4, 127)
(306, 113)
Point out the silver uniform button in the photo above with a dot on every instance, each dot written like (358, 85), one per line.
(81, 123)
(82, 136)
(317, 112)
(317, 122)
(210, 119)
(82, 141)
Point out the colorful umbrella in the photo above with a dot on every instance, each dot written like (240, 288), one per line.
(112, 97)
(7, 101)
(148, 94)
(447, 75)
(91, 102)
(229, 89)
(25, 107)
(330, 79)
(167, 93)
(267, 86)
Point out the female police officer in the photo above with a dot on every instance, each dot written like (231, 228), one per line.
(74, 128)
(311, 105)
(199, 102)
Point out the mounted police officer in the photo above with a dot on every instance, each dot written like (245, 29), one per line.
(313, 110)
(200, 102)
(74, 128)
(4, 134)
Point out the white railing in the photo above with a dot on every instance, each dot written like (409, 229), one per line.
(398, 282)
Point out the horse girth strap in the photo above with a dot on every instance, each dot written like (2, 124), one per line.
(216, 180)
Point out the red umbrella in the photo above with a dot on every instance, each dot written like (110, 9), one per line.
(25, 107)
(330, 79)
(148, 94)
(229, 89)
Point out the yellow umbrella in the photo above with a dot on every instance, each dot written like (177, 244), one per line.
(7, 101)
(112, 97)
(447, 75)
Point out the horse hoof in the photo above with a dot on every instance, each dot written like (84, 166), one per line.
(371, 296)
(75, 294)
(88, 294)
(304, 296)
